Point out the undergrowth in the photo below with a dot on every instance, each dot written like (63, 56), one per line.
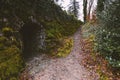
(57, 40)
(92, 59)
(65, 48)
(11, 62)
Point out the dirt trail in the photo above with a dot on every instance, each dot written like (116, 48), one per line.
(69, 68)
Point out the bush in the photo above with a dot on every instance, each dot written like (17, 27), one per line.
(108, 32)
(65, 49)
(11, 62)
(7, 31)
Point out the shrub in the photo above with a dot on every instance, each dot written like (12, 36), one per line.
(11, 62)
(65, 49)
(108, 32)
(7, 31)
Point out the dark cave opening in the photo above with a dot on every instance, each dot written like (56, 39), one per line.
(28, 33)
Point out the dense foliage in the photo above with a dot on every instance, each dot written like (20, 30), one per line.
(108, 31)
(11, 62)
(93, 60)
(55, 21)
(16, 14)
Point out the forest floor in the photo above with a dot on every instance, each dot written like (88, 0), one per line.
(43, 67)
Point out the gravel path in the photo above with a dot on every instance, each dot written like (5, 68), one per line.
(69, 68)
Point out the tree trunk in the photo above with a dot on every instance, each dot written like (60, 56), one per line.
(89, 8)
(85, 10)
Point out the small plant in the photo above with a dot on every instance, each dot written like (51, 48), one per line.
(11, 62)
(7, 31)
(64, 50)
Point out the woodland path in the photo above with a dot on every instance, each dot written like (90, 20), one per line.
(68, 68)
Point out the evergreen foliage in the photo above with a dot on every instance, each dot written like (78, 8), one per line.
(108, 31)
